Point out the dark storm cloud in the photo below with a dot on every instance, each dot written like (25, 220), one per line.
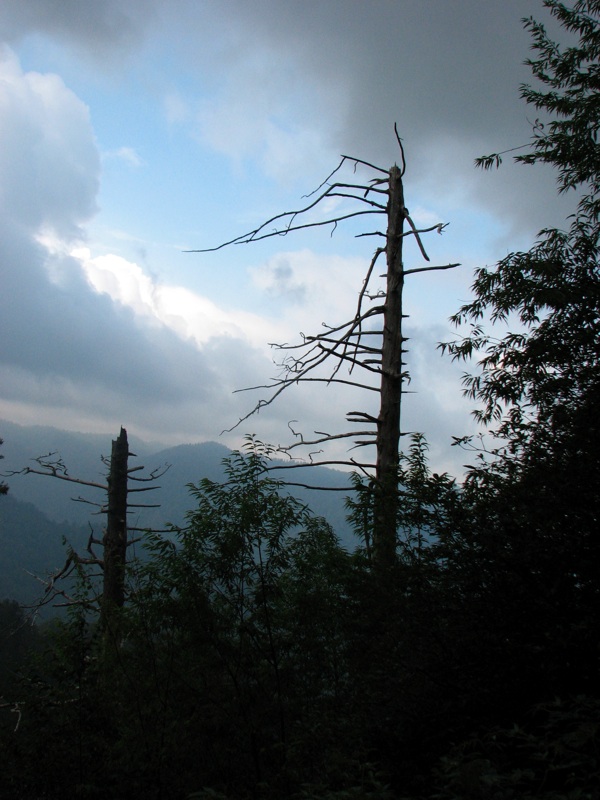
(49, 163)
(66, 330)
(94, 27)
(447, 72)
(437, 66)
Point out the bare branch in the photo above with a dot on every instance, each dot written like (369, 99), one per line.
(88, 502)
(303, 464)
(147, 530)
(399, 140)
(358, 346)
(361, 416)
(291, 381)
(327, 179)
(319, 488)
(439, 227)
(325, 437)
(337, 169)
(345, 344)
(256, 236)
(55, 473)
(368, 164)
(429, 269)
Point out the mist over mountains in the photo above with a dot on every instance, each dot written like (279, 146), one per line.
(40, 512)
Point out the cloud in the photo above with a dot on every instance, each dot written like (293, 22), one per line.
(280, 89)
(292, 86)
(435, 404)
(95, 29)
(94, 338)
(315, 284)
(190, 315)
(49, 164)
(84, 337)
(263, 112)
(308, 288)
(289, 87)
(128, 155)
(176, 108)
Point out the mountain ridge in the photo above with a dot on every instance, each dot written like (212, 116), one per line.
(47, 512)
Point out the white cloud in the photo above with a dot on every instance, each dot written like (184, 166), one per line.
(97, 344)
(268, 103)
(310, 286)
(49, 162)
(188, 314)
(126, 154)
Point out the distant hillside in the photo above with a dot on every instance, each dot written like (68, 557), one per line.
(191, 463)
(30, 545)
(188, 464)
(81, 452)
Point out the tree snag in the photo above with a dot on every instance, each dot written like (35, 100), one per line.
(371, 341)
(116, 538)
(388, 422)
(115, 534)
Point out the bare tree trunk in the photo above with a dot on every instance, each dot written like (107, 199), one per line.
(388, 423)
(115, 541)
(356, 343)
(115, 537)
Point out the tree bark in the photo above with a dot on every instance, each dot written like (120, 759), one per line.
(115, 537)
(388, 422)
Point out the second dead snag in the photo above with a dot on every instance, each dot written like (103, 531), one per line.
(118, 535)
(371, 341)
(115, 533)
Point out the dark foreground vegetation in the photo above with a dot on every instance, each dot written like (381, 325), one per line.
(255, 658)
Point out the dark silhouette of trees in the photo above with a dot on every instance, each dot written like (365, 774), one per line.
(533, 379)
(538, 384)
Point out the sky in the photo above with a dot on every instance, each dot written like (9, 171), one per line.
(132, 131)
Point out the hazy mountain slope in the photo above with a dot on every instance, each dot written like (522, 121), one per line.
(191, 463)
(188, 464)
(81, 452)
(30, 545)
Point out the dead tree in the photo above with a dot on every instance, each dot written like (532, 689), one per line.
(117, 536)
(371, 341)
(3, 486)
